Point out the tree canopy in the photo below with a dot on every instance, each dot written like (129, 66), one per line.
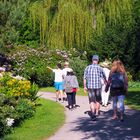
(74, 21)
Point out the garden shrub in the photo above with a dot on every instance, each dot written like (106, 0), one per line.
(24, 110)
(6, 111)
(32, 63)
(17, 88)
(17, 102)
(78, 67)
(129, 76)
(134, 84)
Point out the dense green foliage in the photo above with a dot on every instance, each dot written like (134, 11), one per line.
(17, 102)
(109, 28)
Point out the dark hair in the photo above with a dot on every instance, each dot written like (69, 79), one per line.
(70, 73)
(59, 65)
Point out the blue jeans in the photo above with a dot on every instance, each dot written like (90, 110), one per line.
(119, 99)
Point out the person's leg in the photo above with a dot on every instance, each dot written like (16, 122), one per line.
(121, 105)
(103, 94)
(74, 99)
(61, 90)
(57, 95)
(115, 99)
(106, 97)
(69, 100)
(98, 100)
(57, 91)
(61, 95)
(64, 96)
(91, 96)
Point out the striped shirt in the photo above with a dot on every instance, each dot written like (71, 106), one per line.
(93, 75)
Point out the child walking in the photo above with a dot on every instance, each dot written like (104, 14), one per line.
(70, 86)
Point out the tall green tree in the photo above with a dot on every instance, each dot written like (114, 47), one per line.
(75, 21)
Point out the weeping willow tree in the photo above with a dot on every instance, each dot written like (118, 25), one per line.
(40, 13)
(76, 20)
(71, 26)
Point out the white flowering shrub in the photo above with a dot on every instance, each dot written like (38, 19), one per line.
(32, 63)
(9, 121)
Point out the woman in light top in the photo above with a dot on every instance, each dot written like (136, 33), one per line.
(105, 95)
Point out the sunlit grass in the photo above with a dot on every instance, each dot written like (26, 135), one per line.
(133, 98)
(48, 118)
(52, 89)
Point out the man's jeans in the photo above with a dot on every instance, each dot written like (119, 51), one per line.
(119, 99)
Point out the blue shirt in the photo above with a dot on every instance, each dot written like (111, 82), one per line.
(93, 75)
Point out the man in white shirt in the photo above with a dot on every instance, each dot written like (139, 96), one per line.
(66, 68)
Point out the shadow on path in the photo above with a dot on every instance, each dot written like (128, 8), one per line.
(105, 128)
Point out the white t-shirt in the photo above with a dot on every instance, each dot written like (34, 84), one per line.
(65, 70)
(58, 75)
(106, 71)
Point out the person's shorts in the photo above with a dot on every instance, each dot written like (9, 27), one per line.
(94, 95)
(58, 85)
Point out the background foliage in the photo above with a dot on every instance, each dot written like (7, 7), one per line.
(108, 28)
(17, 102)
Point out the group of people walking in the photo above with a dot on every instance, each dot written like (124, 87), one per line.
(115, 80)
(66, 84)
(99, 81)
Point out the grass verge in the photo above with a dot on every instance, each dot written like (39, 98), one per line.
(52, 89)
(133, 98)
(48, 118)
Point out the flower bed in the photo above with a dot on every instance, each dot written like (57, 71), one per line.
(17, 102)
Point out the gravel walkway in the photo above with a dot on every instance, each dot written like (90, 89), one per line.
(79, 126)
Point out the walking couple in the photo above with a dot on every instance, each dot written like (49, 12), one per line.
(117, 82)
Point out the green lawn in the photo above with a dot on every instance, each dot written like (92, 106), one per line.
(133, 98)
(48, 118)
(52, 89)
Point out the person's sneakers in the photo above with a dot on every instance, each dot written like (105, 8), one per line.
(74, 106)
(70, 108)
(121, 120)
(93, 117)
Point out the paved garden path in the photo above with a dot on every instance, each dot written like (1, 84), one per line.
(79, 126)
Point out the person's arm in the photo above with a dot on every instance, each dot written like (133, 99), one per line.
(108, 83)
(104, 76)
(85, 81)
(49, 68)
(85, 87)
